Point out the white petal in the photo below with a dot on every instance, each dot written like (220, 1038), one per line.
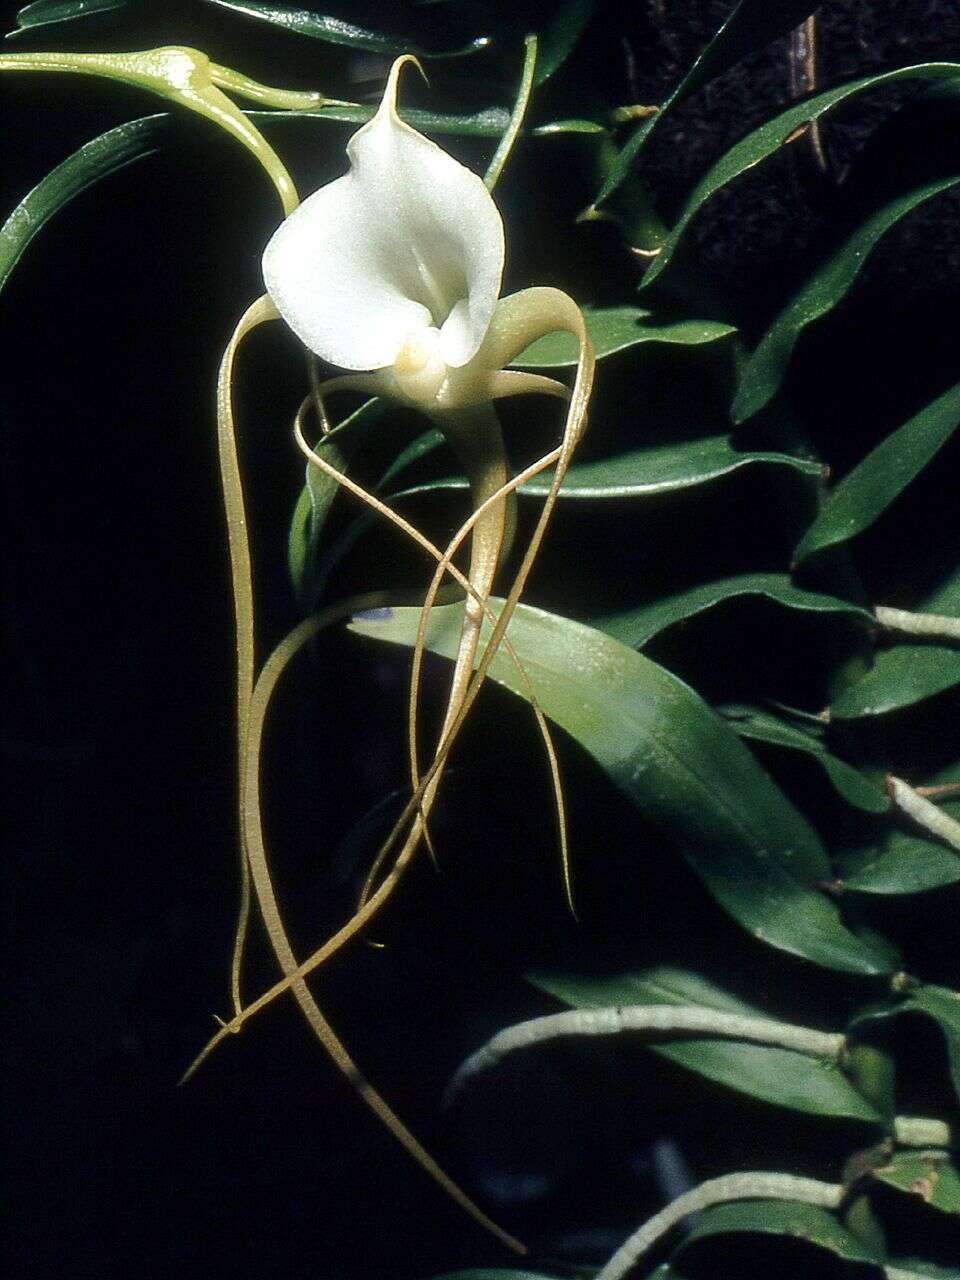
(407, 238)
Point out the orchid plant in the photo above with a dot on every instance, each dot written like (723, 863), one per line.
(388, 281)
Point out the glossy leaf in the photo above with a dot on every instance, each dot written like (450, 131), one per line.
(780, 1076)
(487, 123)
(642, 472)
(929, 1175)
(919, 1269)
(805, 1222)
(774, 134)
(682, 766)
(636, 626)
(49, 13)
(867, 491)
(765, 369)
(320, 26)
(560, 35)
(905, 674)
(96, 159)
(853, 786)
(614, 329)
(905, 861)
(751, 25)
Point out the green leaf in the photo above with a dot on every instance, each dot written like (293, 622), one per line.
(927, 1174)
(316, 497)
(488, 123)
(774, 134)
(319, 26)
(560, 35)
(94, 160)
(494, 1273)
(779, 1076)
(906, 862)
(636, 626)
(864, 494)
(919, 1269)
(938, 1003)
(751, 25)
(48, 13)
(765, 369)
(613, 329)
(655, 469)
(762, 726)
(805, 1222)
(682, 766)
(906, 674)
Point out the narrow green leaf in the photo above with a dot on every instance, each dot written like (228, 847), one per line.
(864, 494)
(919, 1269)
(766, 368)
(751, 25)
(772, 1074)
(904, 861)
(94, 160)
(636, 626)
(560, 35)
(488, 123)
(774, 134)
(49, 13)
(614, 329)
(805, 1222)
(906, 674)
(927, 1174)
(320, 26)
(762, 726)
(642, 472)
(682, 766)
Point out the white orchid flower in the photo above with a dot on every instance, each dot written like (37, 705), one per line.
(394, 271)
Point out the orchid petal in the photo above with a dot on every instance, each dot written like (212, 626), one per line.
(407, 239)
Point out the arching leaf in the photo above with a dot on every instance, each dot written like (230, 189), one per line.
(804, 1222)
(864, 494)
(683, 767)
(50, 13)
(751, 25)
(930, 1175)
(905, 674)
(614, 329)
(319, 26)
(96, 159)
(766, 368)
(774, 134)
(644, 472)
(938, 1003)
(636, 626)
(772, 1074)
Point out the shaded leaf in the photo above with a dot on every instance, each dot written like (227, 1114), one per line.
(765, 369)
(864, 494)
(853, 786)
(682, 766)
(929, 1175)
(751, 25)
(776, 1075)
(805, 1222)
(94, 160)
(772, 135)
(656, 469)
(636, 626)
(939, 1003)
(320, 26)
(905, 674)
(49, 13)
(919, 1269)
(905, 861)
(613, 329)
(560, 35)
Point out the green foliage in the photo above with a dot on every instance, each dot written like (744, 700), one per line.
(51, 13)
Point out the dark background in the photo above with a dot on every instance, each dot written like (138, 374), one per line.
(120, 848)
